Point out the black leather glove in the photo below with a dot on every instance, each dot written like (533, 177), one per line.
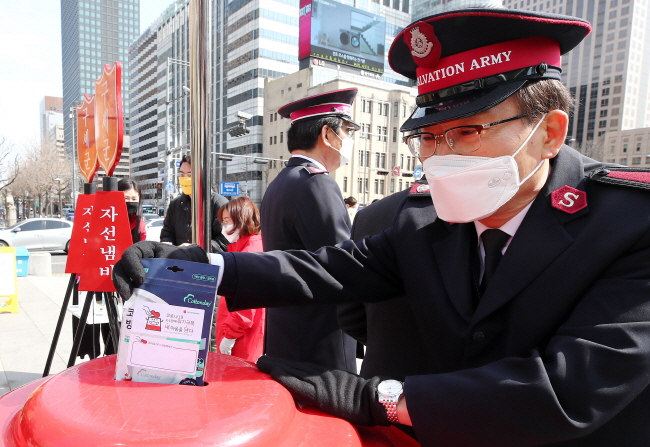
(339, 393)
(129, 273)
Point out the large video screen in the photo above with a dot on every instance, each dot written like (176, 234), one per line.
(342, 34)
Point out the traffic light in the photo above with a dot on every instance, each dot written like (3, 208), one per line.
(159, 186)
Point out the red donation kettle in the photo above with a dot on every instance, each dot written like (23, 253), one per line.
(240, 406)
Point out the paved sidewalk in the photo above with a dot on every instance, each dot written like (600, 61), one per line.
(26, 336)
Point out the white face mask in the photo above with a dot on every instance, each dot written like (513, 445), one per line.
(466, 188)
(346, 151)
(234, 237)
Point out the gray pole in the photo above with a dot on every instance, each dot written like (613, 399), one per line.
(167, 141)
(200, 145)
(73, 190)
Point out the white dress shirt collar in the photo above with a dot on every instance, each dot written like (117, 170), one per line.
(318, 164)
(509, 227)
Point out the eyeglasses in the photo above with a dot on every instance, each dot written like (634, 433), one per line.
(462, 139)
(349, 130)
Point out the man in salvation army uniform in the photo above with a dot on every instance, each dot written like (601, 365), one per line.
(303, 209)
(528, 271)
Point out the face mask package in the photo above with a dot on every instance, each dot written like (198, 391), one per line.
(165, 333)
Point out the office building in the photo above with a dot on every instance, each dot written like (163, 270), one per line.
(159, 103)
(626, 147)
(51, 120)
(94, 33)
(382, 164)
(143, 100)
(259, 39)
(252, 40)
(51, 115)
(425, 8)
(608, 72)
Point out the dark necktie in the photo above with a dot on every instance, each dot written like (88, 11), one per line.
(493, 242)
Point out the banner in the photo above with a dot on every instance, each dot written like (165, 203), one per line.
(86, 151)
(108, 236)
(80, 233)
(109, 117)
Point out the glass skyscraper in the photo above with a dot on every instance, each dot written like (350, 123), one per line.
(94, 33)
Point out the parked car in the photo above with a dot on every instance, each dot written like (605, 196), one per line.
(45, 234)
(153, 228)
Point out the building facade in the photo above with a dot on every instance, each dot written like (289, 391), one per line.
(94, 33)
(382, 164)
(51, 120)
(626, 147)
(252, 40)
(608, 72)
(425, 8)
(159, 103)
(258, 40)
(143, 98)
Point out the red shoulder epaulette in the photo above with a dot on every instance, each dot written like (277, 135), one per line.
(419, 189)
(313, 171)
(623, 176)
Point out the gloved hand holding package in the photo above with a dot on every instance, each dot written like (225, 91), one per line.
(165, 332)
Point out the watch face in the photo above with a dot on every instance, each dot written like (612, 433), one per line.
(390, 387)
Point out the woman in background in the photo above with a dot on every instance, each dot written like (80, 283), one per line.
(352, 207)
(240, 333)
(134, 207)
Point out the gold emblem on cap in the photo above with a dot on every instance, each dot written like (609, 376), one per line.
(421, 47)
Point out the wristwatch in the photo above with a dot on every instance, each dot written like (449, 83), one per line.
(388, 393)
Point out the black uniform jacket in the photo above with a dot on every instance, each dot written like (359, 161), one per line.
(303, 209)
(557, 351)
(394, 346)
(177, 227)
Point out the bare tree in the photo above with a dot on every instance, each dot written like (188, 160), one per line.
(592, 149)
(44, 175)
(9, 164)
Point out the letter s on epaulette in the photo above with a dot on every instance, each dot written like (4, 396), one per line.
(638, 178)
(313, 171)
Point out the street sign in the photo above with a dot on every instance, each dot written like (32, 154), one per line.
(396, 170)
(170, 186)
(417, 172)
(178, 164)
(229, 188)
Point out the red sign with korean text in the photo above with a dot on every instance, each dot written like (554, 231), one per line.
(109, 117)
(80, 232)
(304, 33)
(109, 236)
(86, 151)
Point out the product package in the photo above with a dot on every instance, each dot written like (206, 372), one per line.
(166, 323)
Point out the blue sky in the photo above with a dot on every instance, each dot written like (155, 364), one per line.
(30, 51)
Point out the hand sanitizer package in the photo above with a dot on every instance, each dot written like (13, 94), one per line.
(165, 334)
